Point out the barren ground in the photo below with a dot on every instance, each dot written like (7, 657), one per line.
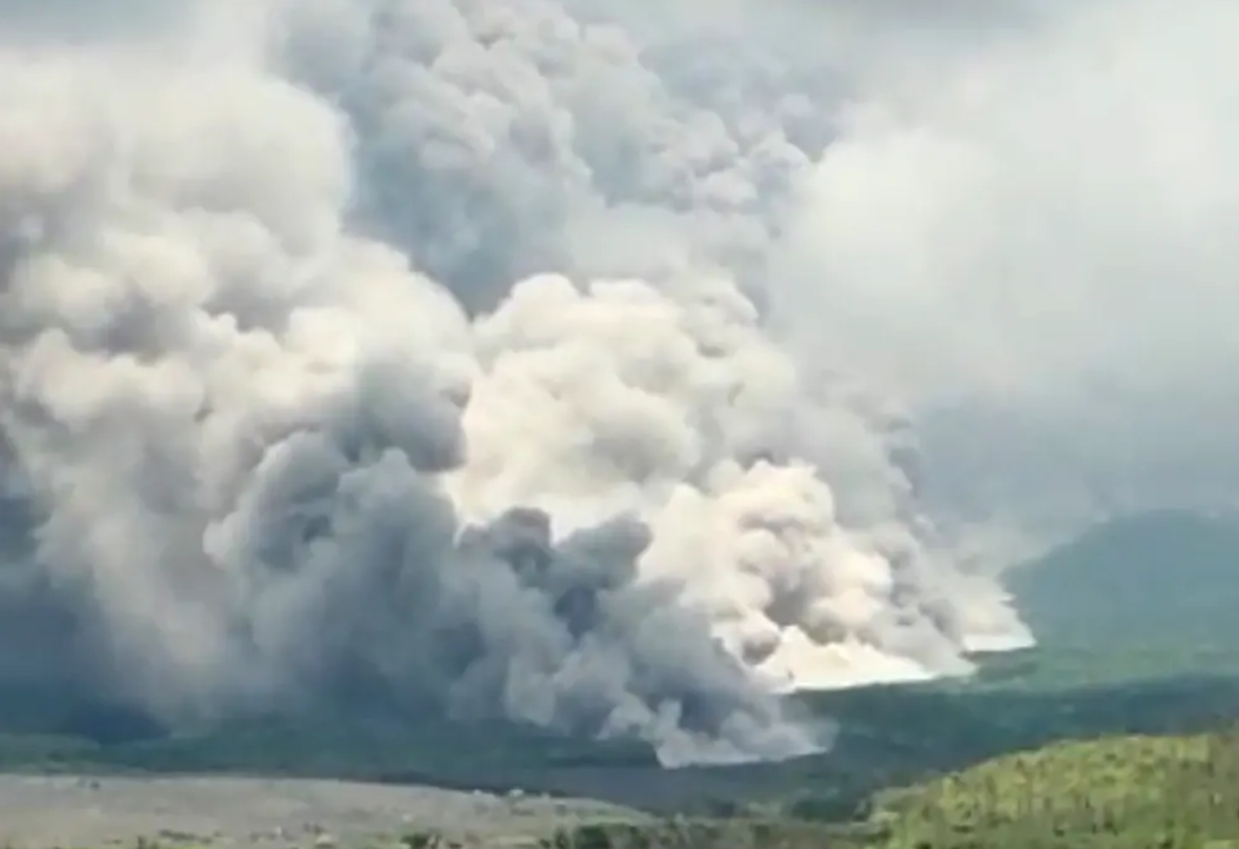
(67, 811)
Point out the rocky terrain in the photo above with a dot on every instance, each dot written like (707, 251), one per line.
(40, 812)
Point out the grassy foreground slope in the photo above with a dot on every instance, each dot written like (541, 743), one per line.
(1115, 793)
(1137, 792)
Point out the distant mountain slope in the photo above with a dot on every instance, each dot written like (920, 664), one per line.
(1153, 582)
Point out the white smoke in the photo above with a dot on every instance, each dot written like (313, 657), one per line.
(428, 341)
(670, 405)
(1026, 238)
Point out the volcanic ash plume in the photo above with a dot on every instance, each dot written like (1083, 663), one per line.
(671, 406)
(250, 452)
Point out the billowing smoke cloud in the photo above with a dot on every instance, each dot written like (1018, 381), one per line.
(1027, 241)
(595, 367)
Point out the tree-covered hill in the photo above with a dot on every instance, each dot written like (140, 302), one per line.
(1121, 793)
(1141, 597)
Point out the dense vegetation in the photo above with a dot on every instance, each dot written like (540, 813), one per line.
(1137, 792)
(1116, 793)
(1138, 597)
(888, 735)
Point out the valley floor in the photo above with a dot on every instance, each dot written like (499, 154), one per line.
(41, 812)
(1179, 792)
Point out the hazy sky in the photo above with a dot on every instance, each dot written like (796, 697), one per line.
(1033, 223)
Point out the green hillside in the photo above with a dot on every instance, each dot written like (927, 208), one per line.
(1144, 596)
(1123, 793)
(1148, 576)
(1114, 793)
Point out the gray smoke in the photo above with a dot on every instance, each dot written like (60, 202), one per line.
(1027, 241)
(426, 340)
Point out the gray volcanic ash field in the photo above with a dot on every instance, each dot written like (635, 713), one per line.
(52, 811)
